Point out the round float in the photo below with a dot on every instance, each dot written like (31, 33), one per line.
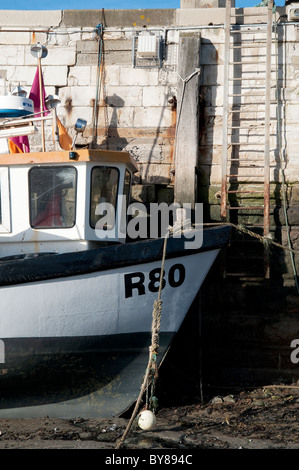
(147, 420)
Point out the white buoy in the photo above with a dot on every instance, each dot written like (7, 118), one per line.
(147, 420)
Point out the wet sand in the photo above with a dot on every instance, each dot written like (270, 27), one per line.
(264, 418)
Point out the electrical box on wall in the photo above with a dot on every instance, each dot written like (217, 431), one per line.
(147, 46)
(147, 49)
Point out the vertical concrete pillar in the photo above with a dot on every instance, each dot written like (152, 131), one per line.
(187, 127)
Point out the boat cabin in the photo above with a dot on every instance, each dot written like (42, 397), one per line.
(51, 201)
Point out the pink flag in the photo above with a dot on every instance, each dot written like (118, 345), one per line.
(22, 142)
(35, 94)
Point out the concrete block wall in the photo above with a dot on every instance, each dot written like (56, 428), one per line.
(136, 104)
(133, 112)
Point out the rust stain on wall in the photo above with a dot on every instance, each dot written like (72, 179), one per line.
(68, 105)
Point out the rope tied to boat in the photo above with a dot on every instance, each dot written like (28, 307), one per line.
(151, 373)
(152, 401)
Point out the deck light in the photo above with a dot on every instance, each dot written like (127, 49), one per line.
(39, 51)
(79, 128)
(19, 91)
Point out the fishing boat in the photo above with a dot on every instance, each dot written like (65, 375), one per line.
(76, 292)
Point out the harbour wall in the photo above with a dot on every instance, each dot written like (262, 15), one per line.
(132, 102)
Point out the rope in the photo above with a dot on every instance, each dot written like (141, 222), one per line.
(151, 370)
(99, 30)
(185, 80)
(100, 83)
(243, 229)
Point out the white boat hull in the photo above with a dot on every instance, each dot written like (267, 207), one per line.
(78, 345)
(98, 304)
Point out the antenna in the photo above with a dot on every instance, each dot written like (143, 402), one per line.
(40, 51)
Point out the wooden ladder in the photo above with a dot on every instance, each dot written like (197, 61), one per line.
(247, 122)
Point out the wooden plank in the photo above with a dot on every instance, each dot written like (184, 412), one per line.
(187, 126)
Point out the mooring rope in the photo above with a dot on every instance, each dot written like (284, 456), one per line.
(263, 239)
(151, 370)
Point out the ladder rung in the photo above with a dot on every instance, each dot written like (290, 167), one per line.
(249, 46)
(248, 111)
(249, 41)
(246, 143)
(252, 128)
(240, 168)
(244, 161)
(233, 79)
(245, 176)
(247, 104)
(245, 208)
(246, 63)
(240, 132)
(244, 192)
(242, 94)
(247, 87)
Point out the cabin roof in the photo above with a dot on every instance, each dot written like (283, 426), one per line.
(78, 155)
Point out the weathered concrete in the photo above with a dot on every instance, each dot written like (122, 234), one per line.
(30, 19)
(187, 129)
(119, 18)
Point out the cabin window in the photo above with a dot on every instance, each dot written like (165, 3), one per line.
(52, 197)
(4, 201)
(104, 187)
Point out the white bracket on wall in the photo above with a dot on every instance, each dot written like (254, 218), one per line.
(293, 12)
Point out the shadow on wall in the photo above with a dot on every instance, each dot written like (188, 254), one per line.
(111, 139)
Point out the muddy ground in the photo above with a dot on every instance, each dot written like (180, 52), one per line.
(264, 418)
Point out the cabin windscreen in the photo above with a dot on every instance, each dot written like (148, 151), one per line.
(52, 197)
(103, 198)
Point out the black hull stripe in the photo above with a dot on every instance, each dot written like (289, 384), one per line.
(51, 266)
